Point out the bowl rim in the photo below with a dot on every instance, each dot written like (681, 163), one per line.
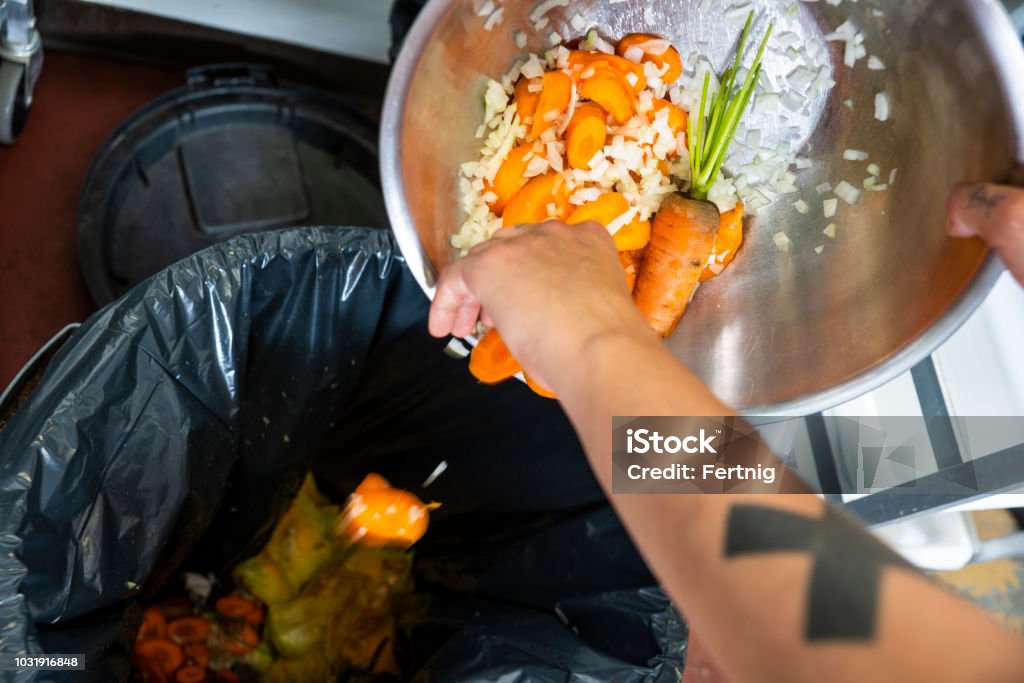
(996, 25)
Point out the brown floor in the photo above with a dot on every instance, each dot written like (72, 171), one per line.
(79, 101)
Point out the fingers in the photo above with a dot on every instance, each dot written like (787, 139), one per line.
(996, 214)
(451, 296)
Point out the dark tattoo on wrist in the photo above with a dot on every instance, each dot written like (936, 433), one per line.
(848, 563)
(982, 200)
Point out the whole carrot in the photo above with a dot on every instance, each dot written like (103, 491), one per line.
(685, 227)
(682, 238)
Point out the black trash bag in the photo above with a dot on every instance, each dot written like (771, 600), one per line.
(172, 429)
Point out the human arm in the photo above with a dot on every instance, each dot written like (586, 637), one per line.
(829, 599)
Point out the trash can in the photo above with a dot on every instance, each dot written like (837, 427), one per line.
(172, 429)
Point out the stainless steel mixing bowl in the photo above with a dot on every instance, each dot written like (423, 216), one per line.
(780, 333)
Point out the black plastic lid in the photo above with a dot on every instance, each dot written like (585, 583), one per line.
(233, 151)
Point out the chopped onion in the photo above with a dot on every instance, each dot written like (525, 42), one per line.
(848, 193)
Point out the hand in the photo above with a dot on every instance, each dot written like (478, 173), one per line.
(994, 213)
(549, 289)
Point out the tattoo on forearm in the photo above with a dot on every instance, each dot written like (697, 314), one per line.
(842, 600)
(983, 200)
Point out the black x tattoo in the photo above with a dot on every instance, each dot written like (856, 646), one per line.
(981, 199)
(842, 601)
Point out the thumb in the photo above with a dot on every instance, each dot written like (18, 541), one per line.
(994, 213)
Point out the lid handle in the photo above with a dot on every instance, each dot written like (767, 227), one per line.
(233, 74)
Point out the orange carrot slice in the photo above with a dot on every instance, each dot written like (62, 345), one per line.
(511, 177)
(631, 261)
(198, 654)
(239, 641)
(385, 517)
(190, 674)
(159, 655)
(677, 118)
(491, 362)
(603, 210)
(586, 135)
(580, 62)
(682, 238)
(526, 99)
(542, 198)
(648, 43)
(538, 389)
(610, 90)
(235, 607)
(372, 482)
(554, 100)
(154, 624)
(634, 236)
(189, 629)
(727, 243)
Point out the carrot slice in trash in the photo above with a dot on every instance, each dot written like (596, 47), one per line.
(189, 629)
(491, 362)
(386, 517)
(656, 50)
(603, 210)
(159, 655)
(526, 99)
(235, 607)
(197, 654)
(633, 236)
(239, 641)
(554, 100)
(541, 199)
(511, 177)
(727, 243)
(586, 135)
(226, 675)
(609, 89)
(190, 674)
(154, 624)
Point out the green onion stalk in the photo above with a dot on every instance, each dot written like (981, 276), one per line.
(711, 132)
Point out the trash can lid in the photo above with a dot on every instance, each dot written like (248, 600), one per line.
(235, 150)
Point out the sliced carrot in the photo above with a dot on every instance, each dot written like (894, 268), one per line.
(190, 674)
(682, 238)
(586, 135)
(610, 90)
(538, 389)
(255, 617)
(372, 482)
(580, 62)
(235, 607)
(491, 362)
(727, 243)
(526, 99)
(189, 629)
(542, 198)
(154, 624)
(554, 100)
(634, 236)
(677, 118)
(389, 517)
(631, 261)
(239, 641)
(603, 210)
(197, 654)
(159, 654)
(647, 44)
(511, 177)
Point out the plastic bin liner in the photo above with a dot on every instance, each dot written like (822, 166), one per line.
(172, 429)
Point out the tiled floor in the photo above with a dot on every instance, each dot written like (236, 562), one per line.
(79, 101)
(996, 586)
